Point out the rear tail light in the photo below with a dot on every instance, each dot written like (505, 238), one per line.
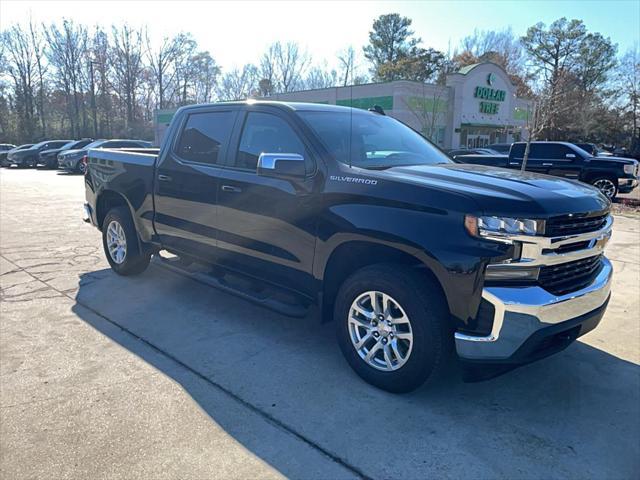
(85, 161)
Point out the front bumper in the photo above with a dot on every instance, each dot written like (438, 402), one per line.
(521, 313)
(87, 214)
(67, 163)
(626, 185)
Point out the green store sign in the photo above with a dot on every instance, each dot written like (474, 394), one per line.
(492, 94)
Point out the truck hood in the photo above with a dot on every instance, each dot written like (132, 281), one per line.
(607, 158)
(499, 191)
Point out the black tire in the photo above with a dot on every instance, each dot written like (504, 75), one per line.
(423, 302)
(608, 186)
(134, 261)
(80, 167)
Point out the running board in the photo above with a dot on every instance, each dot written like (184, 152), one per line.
(263, 294)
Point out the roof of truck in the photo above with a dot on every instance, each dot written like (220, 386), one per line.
(296, 106)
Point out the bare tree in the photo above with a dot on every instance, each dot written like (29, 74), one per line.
(320, 77)
(37, 42)
(429, 110)
(347, 60)
(67, 47)
(239, 84)
(628, 82)
(163, 62)
(21, 67)
(206, 73)
(126, 58)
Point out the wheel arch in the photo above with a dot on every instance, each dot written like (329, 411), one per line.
(353, 255)
(107, 200)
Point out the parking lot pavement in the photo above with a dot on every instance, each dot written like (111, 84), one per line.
(157, 376)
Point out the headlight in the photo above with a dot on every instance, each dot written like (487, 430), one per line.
(486, 226)
(630, 169)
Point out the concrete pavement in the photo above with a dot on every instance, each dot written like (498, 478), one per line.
(157, 376)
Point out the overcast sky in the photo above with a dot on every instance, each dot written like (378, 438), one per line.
(237, 32)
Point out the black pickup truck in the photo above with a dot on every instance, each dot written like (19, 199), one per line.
(607, 173)
(301, 206)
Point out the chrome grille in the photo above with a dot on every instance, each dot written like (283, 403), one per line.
(570, 276)
(571, 225)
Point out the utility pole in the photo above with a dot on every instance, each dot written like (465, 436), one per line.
(527, 147)
(93, 100)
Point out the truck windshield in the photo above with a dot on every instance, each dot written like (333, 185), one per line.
(370, 140)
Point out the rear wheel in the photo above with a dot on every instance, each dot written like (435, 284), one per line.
(120, 242)
(81, 167)
(392, 326)
(607, 186)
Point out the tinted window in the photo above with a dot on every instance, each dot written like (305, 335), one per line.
(517, 150)
(549, 151)
(52, 145)
(131, 144)
(204, 136)
(80, 144)
(266, 133)
(369, 140)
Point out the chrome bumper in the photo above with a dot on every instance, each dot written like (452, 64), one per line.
(521, 311)
(86, 214)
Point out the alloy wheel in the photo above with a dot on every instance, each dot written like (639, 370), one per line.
(116, 242)
(606, 186)
(380, 331)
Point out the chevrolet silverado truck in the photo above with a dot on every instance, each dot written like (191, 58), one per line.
(611, 175)
(355, 216)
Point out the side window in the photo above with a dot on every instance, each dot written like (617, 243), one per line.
(266, 133)
(110, 145)
(548, 151)
(204, 136)
(517, 150)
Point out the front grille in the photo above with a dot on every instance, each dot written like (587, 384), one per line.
(571, 225)
(570, 276)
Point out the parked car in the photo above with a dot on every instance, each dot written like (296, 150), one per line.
(49, 158)
(500, 147)
(4, 150)
(5, 157)
(608, 174)
(472, 151)
(71, 160)
(28, 157)
(593, 150)
(409, 252)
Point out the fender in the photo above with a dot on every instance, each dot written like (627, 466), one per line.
(458, 265)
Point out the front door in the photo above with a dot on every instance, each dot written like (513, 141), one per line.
(186, 183)
(267, 225)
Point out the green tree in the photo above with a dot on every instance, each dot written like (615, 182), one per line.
(395, 54)
(572, 66)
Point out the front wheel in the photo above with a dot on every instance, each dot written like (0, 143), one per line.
(392, 326)
(120, 242)
(607, 186)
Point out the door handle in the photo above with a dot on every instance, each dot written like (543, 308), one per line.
(164, 178)
(514, 163)
(547, 164)
(231, 189)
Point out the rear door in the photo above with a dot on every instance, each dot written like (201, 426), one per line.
(267, 225)
(186, 183)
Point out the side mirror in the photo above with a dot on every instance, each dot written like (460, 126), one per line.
(281, 165)
(570, 155)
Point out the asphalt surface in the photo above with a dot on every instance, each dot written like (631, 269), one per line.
(158, 376)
